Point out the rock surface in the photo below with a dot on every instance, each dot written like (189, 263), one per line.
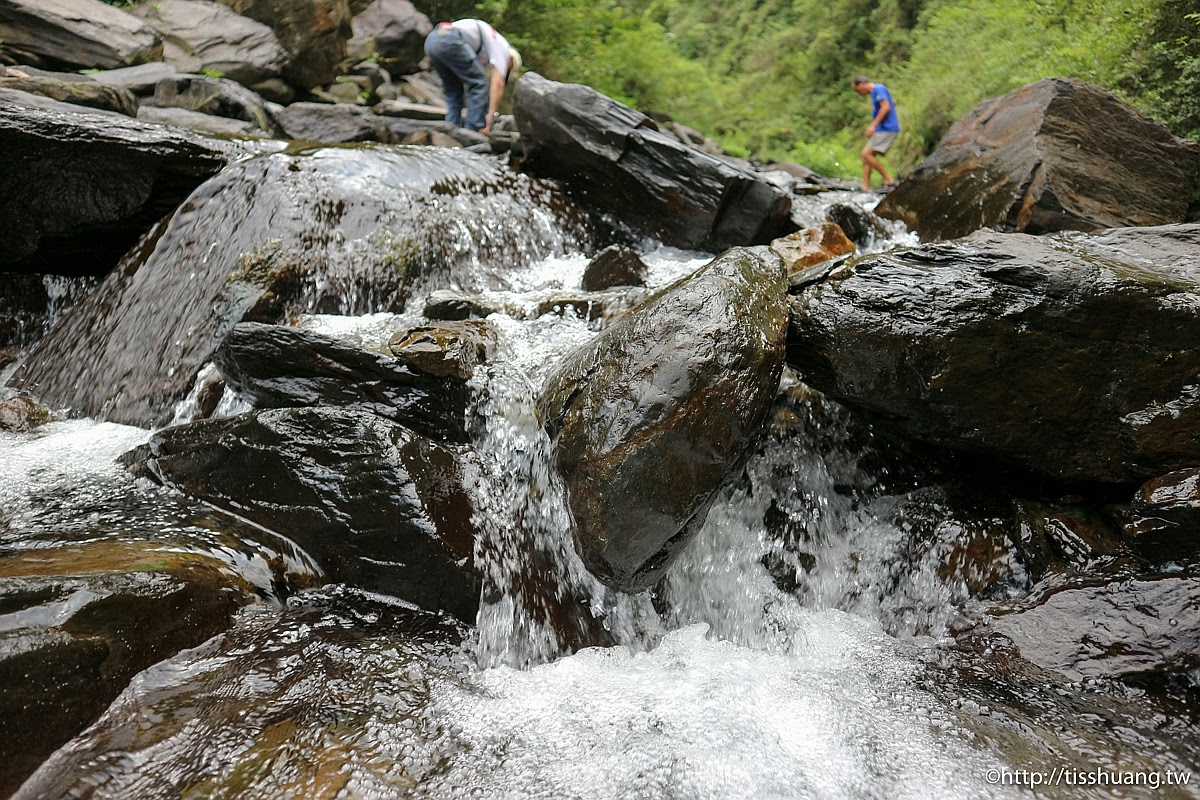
(76, 34)
(1166, 516)
(334, 230)
(447, 350)
(614, 159)
(282, 367)
(313, 32)
(125, 175)
(322, 122)
(1059, 154)
(198, 122)
(615, 265)
(392, 31)
(651, 417)
(140, 79)
(1071, 355)
(218, 97)
(79, 93)
(812, 246)
(377, 505)
(200, 35)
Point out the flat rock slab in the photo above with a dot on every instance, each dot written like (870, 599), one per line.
(80, 93)
(651, 417)
(124, 176)
(1072, 355)
(76, 34)
(615, 159)
(1059, 154)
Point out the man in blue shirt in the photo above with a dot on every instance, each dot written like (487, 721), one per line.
(882, 131)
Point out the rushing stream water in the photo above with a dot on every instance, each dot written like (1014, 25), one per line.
(805, 658)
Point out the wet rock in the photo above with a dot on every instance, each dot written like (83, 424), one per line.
(202, 36)
(430, 138)
(1016, 163)
(1166, 516)
(812, 246)
(218, 97)
(321, 122)
(614, 159)
(21, 415)
(447, 304)
(391, 30)
(402, 128)
(24, 307)
(649, 418)
(1118, 629)
(313, 32)
(693, 138)
(1065, 535)
(125, 175)
(377, 505)
(404, 110)
(201, 123)
(1071, 355)
(140, 80)
(334, 230)
(615, 265)
(449, 350)
(281, 367)
(861, 227)
(79, 93)
(75, 34)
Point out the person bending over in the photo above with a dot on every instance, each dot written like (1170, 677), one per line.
(462, 52)
(882, 131)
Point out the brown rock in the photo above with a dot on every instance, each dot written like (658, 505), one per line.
(812, 246)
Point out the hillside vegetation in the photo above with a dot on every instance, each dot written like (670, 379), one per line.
(770, 78)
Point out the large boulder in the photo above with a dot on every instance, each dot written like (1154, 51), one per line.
(200, 123)
(281, 367)
(124, 176)
(339, 122)
(333, 230)
(1059, 154)
(314, 33)
(651, 417)
(76, 34)
(1071, 355)
(140, 79)
(392, 31)
(615, 159)
(1165, 523)
(79, 93)
(219, 97)
(375, 504)
(201, 36)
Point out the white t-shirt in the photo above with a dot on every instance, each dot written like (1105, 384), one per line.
(484, 40)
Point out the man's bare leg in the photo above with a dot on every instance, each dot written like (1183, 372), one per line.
(872, 162)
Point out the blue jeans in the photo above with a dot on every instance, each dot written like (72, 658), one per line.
(459, 69)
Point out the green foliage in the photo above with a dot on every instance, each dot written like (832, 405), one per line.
(212, 73)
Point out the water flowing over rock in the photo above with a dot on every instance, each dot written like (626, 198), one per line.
(1166, 516)
(614, 158)
(281, 367)
(79, 93)
(651, 417)
(1059, 154)
(375, 504)
(615, 265)
(124, 176)
(343, 230)
(1071, 355)
(216, 96)
(392, 31)
(76, 34)
(314, 33)
(449, 349)
(200, 35)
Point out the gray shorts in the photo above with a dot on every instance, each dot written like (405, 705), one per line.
(880, 141)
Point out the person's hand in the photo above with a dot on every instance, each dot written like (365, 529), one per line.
(870, 131)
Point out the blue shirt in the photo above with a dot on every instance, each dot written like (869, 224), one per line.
(890, 123)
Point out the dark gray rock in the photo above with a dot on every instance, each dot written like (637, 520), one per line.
(78, 93)
(282, 367)
(322, 122)
(313, 32)
(401, 128)
(124, 176)
(75, 34)
(200, 36)
(391, 30)
(447, 350)
(1123, 628)
(201, 123)
(614, 159)
(375, 504)
(218, 97)
(1059, 154)
(860, 226)
(334, 230)
(615, 265)
(140, 80)
(1166, 516)
(651, 417)
(1071, 355)
(449, 304)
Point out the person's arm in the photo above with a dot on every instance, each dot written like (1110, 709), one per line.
(496, 93)
(884, 107)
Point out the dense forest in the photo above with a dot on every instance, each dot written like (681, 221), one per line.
(770, 78)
